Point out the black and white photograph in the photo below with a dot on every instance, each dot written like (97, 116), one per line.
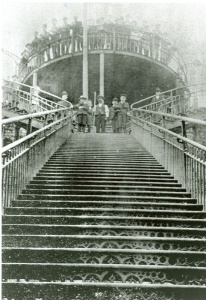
(103, 130)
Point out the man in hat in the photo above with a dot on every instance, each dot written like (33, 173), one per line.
(157, 96)
(35, 43)
(65, 37)
(113, 112)
(55, 35)
(101, 112)
(122, 114)
(82, 113)
(45, 40)
(65, 102)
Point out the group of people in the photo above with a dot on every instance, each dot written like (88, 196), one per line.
(88, 116)
(128, 34)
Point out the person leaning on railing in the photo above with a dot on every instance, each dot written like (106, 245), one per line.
(45, 42)
(65, 32)
(55, 35)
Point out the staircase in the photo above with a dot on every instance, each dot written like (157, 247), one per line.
(104, 220)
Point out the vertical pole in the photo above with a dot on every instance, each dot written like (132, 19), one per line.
(101, 77)
(35, 78)
(85, 52)
(184, 134)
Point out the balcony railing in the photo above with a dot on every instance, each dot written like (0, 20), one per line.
(108, 41)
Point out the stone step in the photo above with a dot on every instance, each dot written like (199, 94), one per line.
(113, 173)
(94, 162)
(104, 230)
(72, 191)
(107, 204)
(102, 185)
(84, 181)
(103, 178)
(120, 273)
(107, 198)
(105, 220)
(53, 290)
(85, 211)
(103, 256)
(94, 166)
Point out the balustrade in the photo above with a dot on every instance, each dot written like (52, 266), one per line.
(182, 157)
(22, 159)
(143, 45)
(30, 101)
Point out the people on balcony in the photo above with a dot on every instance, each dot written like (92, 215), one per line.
(146, 39)
(66, 40)
(45, 40)
(55, 36)
(35, 43)
(101, 113)
(77, 29)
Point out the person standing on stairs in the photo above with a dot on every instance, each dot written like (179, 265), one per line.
(113, 114)
(122, 114)
(82, 113)
(101, 112)
(89, 115)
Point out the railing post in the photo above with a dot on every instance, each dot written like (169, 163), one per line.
(184, 134)
(114, 41)
(172, 102)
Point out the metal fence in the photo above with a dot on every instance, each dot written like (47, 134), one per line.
(28, 98)
(182, 157)
(22, 159)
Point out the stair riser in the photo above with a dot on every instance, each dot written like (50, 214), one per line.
(103, 231)
(72, 186)
(52, 290)
(73, 204)
(105, 192)
(115, 274)
(107, 198)
(39, 179)
(103, 257)
(118, 221)
(105, 212)
(119, 184)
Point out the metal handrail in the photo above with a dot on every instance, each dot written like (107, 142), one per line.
(184, 158)
(22, 159)
(32, 115)
(32, 88)
(166, 92)
(172, 116)
(177, 136)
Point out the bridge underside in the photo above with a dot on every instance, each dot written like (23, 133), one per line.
(134, 76)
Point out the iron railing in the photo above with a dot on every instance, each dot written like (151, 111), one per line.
(28, 98)
(22, 159)
(182, 157)
(141, 43)
(176, 101)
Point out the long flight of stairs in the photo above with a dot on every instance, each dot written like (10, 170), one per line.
(104, 220)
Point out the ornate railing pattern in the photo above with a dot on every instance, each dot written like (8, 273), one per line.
(28, 98)
(108, 40)
(22, 159)
(182, 157)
